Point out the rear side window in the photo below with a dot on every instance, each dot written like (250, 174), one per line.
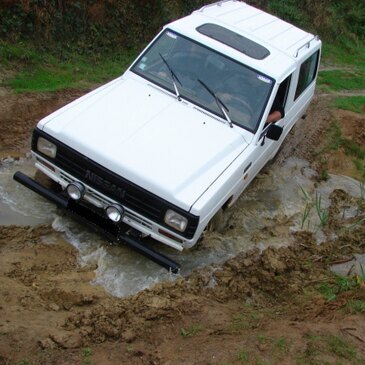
(307, 73)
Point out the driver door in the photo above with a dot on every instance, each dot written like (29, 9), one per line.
(266, 148)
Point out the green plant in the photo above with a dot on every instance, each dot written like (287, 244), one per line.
(23, 362)
(191, 330)
(244, 321)
(281, 344)
(330, 290)
(352, 103)
(362, 191)
(341, 348)
(335, 80)
(242, 356)
(323, 213)
(355, 306)
(307, 208)
(86, 356)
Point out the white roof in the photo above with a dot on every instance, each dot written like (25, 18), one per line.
(281, 38)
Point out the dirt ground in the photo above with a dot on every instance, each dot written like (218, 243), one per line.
(264, 308)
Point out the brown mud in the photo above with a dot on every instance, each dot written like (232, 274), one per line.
(256, 308)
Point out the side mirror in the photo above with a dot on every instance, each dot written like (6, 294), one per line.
(274, 132)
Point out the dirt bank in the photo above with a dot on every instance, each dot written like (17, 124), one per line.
(272, 307)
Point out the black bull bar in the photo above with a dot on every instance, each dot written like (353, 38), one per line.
(96, 222)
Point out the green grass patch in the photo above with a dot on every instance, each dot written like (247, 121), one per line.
(337, 141)
(341, 54)
(340, 284)
(244, 321)
(341, 348)
(43, 72)
(336, 80)
(19, 53)
(355, 306)
(352, 103)
(191, 330)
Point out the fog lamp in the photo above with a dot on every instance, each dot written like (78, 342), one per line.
(75, 190)
(115, 212)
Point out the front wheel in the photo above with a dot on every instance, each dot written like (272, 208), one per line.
(217, 223)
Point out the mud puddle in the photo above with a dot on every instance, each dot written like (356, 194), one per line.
(20, 206)
(268, 212)
(354, 266)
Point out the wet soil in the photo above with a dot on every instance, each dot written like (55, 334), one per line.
(256, 308)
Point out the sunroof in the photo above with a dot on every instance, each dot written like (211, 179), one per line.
(234, 40)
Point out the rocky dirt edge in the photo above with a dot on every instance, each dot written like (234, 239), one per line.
(264, 278)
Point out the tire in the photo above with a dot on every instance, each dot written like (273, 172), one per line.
(217, 223)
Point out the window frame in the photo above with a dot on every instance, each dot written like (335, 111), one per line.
(303, 84)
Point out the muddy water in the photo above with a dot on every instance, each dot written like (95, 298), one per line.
(355, 266)
(18, 205)
(266, 215)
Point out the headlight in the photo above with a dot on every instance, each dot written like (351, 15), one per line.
(46, 147)
(175, 220)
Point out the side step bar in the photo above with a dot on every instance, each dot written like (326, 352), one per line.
(95, 222)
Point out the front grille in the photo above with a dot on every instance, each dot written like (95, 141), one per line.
(119, 189)
(107, 182)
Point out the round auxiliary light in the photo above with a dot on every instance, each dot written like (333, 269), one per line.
(75, 190)
(115, 212)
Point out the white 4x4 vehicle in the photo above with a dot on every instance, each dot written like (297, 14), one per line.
(160, 150)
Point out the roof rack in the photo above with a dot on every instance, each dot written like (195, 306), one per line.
(307, 44)
(218, 3)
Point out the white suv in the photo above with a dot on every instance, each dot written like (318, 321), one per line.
(160, 150)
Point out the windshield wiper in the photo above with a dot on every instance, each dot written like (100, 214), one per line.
(219, 102)
(173, 77)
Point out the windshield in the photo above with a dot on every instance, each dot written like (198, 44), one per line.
(243, 90)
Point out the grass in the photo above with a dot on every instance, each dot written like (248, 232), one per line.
(323, 213)
(328, 349)
(190, 331)
(351, 58)
(86, 356)
(44, 72)
(335, 80)
(281, 345)
(339, 347)
(355, 306)
(350, 148)
(243, 321)
(340, 284)
(352, 103)
(351, 54)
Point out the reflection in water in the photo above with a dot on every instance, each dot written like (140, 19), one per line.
(265, 215)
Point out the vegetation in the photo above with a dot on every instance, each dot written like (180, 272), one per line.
(191, 330)
(352, 103)
(341, 284)
(48, 72)
(76, 44)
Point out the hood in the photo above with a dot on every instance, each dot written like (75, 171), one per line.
(146, 135)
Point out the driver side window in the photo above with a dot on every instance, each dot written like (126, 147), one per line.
(282, 95)
(279, 102)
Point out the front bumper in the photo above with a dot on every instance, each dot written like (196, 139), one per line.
(115, 232)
